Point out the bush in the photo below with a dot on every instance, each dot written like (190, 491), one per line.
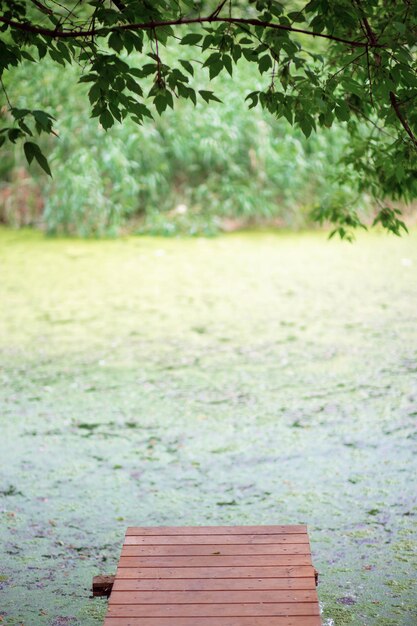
(192, 171)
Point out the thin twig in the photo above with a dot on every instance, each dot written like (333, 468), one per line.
(158, 59)
(374, 124)
(42, 7)
(345, 66)
(369, 77)
(217, 9)
(5, 93)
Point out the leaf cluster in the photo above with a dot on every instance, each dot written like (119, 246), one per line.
(320, 63)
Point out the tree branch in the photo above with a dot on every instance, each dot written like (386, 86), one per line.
(42, 7)
(396, 106)
(92, 32)
(371, 35)
(217, 10)
(369, 32)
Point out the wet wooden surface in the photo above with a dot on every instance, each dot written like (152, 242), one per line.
(215, 576)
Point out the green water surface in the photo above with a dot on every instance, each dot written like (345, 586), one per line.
(255, 378)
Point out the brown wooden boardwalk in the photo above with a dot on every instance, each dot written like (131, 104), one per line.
(215, 576)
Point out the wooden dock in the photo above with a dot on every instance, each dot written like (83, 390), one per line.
(215, 576)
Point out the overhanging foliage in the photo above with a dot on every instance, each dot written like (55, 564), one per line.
(326, 61)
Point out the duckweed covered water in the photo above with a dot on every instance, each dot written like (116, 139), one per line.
(249, 379)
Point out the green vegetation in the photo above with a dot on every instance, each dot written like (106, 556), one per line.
(189, 172)
(246, 379)
(317, 65)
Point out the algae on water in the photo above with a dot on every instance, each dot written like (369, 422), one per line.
(249, 379)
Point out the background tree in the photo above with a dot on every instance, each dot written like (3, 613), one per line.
(326, 61)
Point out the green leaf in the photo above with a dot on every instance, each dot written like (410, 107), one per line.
(305, 126)
(342, 111)
(88, 78)
(141, 110)
(191, 39)
(253, 97)
(44, 120)
(208, 95)
(187, 66)
(132, 85)
(132, 41)
(215, 69)
(400, 27)
(94, 93)
(32, 151)
(13, 134)
(56, 56)
(25, 128)
(28, 56)
(187, 92)
(106, 119)
(227, 62)
(207, 42)
(296, 16)
(162, 100)
(64, 50)
(215, 57)
(265, 63)
(19, 113)
(116, 41)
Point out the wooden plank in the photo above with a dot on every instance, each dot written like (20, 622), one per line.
(215, 576)
(215, 560)
(211, 597)
(186, 540)
(102, 585)
(215, 530)
(217, 621)
(240, 549)
(216, 572)
(213, 610)
(212, 584)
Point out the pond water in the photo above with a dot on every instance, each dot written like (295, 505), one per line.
(254, 378)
